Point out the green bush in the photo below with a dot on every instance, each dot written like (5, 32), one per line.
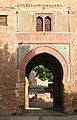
(43, 73)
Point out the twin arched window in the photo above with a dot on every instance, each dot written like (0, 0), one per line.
(47, 23)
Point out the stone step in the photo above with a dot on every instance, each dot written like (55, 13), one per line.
(43, 112)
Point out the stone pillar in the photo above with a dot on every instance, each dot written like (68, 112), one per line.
(20, 93)
(68, 100)
(26, 94)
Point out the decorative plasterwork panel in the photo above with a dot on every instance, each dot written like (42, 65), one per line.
(63, 49)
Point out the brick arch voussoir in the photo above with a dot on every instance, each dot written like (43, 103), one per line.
(48, 50)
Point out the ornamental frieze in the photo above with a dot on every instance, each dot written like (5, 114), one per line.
(39, 5)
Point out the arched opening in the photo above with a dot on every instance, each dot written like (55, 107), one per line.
(54, 65)
(39, 24)
(47, 23)
(55, 62)
(40, 87)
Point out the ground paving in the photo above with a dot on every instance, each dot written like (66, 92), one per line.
(41, 115)
(65, 117)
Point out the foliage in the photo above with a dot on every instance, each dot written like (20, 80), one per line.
(43, 73)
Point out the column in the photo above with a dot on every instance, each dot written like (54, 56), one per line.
(26, 94)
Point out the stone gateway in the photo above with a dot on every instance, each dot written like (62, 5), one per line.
(33, 34)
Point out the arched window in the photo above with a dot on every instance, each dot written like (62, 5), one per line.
(47, 23)
(39, 24)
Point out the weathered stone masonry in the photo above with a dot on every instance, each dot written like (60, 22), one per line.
(19, 42)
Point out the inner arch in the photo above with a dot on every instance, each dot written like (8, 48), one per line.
(55, 66)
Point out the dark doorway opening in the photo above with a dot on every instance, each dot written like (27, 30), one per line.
(51, 62)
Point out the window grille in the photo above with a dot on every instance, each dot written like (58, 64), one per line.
(39, 24)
